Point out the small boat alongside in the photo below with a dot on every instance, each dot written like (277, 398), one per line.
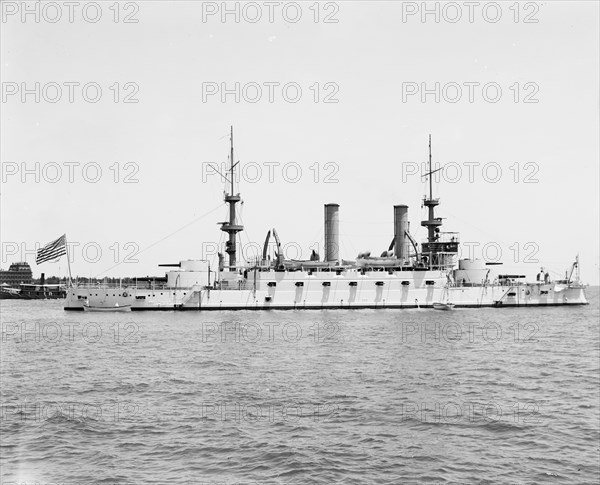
(443, 306)
(116, 308)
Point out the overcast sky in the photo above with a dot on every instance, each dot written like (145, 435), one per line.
(358, 136)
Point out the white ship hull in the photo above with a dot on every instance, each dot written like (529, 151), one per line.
(322, 290)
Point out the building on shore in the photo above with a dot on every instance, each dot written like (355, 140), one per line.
(17, 274)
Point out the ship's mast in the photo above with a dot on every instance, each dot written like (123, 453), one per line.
(231, 227)
(231, 160)
(432, 223)
(430, 177)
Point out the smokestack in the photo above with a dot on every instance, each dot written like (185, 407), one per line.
(401, 242)
(332, 232)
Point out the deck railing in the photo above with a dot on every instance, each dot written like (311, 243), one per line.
(123, 286)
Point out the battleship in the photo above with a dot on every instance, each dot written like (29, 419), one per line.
(428, 275)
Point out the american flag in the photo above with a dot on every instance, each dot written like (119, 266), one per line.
(52, 250)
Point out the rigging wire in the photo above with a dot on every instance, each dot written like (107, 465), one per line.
(342, 239)
(164, 238)
(244, 233)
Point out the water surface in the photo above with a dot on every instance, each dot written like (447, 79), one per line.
(360, 396)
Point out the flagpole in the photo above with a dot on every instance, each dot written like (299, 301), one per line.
(68, 263)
